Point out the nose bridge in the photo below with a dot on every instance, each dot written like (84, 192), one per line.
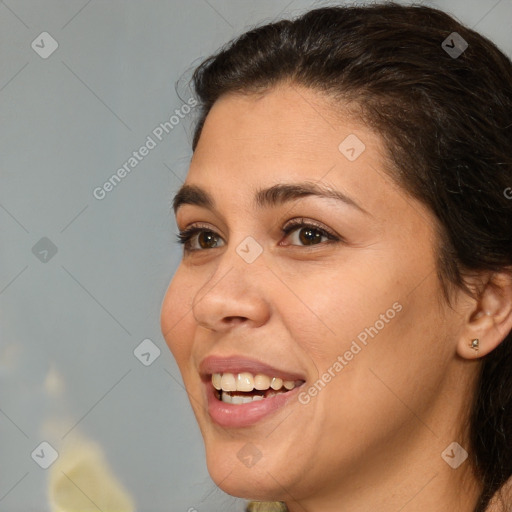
(240, 264)
(234, 289)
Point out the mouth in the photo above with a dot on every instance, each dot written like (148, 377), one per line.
(241, 392)
(243, 388)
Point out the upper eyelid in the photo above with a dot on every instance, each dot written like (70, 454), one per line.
(301, 221)
(292, 223)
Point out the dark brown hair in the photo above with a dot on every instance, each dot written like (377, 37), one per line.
(447, 124)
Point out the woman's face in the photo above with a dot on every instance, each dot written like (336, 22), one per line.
(344, 310)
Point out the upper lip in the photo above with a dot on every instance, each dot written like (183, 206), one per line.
(238, 364)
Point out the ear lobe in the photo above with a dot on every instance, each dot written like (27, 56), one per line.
(490, 320)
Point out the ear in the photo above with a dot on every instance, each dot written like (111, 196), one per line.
(489, 319)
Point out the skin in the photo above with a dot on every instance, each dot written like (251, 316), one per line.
(372, 438)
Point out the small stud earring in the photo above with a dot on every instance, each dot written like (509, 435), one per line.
(475, 344)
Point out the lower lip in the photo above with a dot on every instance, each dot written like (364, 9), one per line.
(245, 415)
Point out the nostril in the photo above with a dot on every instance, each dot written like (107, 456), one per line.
(235, 319)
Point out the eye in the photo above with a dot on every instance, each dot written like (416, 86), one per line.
(202, 235)
(308, 233)
(198, 238)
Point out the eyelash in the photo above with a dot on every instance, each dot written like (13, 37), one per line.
(184, 237)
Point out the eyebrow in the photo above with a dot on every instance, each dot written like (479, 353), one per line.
(268, 197)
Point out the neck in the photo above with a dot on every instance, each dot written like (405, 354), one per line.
(417, 469)
(421, 485)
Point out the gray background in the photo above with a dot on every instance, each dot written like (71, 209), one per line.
(70, 322)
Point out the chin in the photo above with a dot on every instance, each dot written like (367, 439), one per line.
(248, 483)
(239, 470)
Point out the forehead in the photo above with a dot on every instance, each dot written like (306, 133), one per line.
(286, 134)
(286, 121)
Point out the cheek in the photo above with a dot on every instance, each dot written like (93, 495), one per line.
(378, 320)
(176, 317)
(330, 306)
(394, 354)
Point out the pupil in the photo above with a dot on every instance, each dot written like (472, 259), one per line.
(309, 236)
(208, 235)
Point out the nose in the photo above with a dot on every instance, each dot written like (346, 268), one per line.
(233, 295)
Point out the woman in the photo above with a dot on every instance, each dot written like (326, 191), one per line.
(342, 313)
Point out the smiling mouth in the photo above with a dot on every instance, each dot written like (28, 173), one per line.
(245, 387)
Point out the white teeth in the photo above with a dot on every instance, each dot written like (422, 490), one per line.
(226, 398)
(276, 383)
(216, 381)
(261, 382)
(237, 400)
(248, 382)
(228, 382)
(244, 382)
